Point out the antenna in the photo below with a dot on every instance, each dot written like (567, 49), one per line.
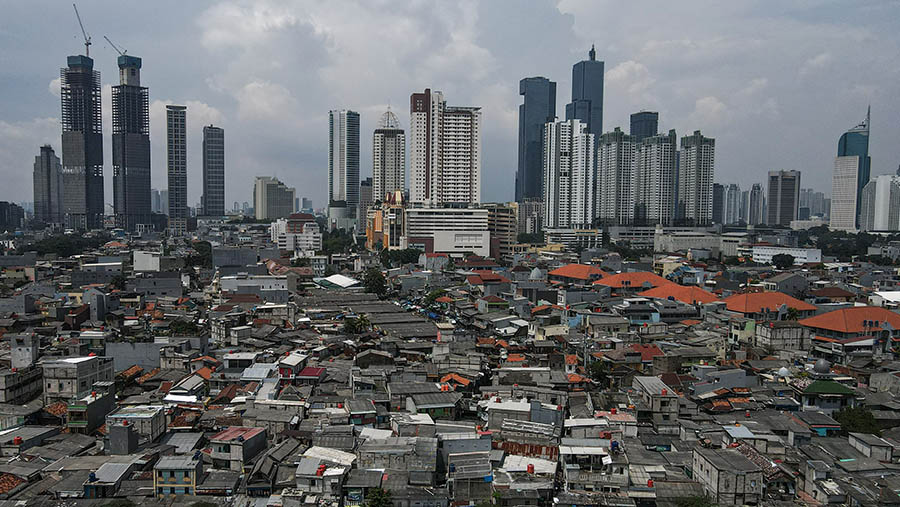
(121, 52)
(87, 38)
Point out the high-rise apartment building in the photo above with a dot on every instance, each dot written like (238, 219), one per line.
(880, 204)
(745, 206)
(213, 171)
(366, 198)
(343, 163)
(644, 124)
(82, 144)
(537, 109)
(755, 215)
(655, 179)
(445, 151)
(503, 227)
(732, 205)
(851, 173)
(48, 192)
(587, 94)
(176, 164)
(131, 146)
(271, 198)
(718, 214)
(784, 197)
(388, 157)
(615, 177)
(695, 178)
(570, 176)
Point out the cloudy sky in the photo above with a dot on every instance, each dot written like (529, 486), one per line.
(775, 83)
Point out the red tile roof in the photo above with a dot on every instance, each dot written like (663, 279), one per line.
(754, 302)
(571, 359)
(690, 294)
(634, 279)
(233, 432)
(578, 271)
(648, 352)
(515, 358)
(850, 320)
(833, 292)
(311, 371)
(9, 482)
(456, 378)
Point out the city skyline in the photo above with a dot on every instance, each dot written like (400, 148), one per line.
(739, 109)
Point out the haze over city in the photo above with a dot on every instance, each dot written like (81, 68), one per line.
(774, 84)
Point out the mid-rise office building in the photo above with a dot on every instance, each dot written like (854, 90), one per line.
(615, 177)
(271, 198)
(445, 151)
(503, 227)
(695, 178)
(655, 179)
(448, 230)
(851, 173)
(388, 157)
(644, 124)
(366, 198)
(343, 162)
(213, 171)
(176, 164)
(48, 193)
(784, 197)
(537, 109)
(587, 94)
(570, 176)
(880, 204)
(82, 144)
(131, 146)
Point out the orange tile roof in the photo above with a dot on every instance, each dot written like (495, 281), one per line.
(850, 320)
(648, 352)
(690, 322)
(515, 358)
(686, 294)
(456, 378)
(444, 299)
(754, 302)
(635, 279)
(578, 271)
(571, 359)
(9, 482)
(205, 372)
(58, 409)
(166, 386)
(576, 378)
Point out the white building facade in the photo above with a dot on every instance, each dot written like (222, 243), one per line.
(388, 157)
(448, 230)
(655, 179)
(844, 193)
(763, 254)
(696, 171)
(880, 206)
(616, 160)
(569, 177)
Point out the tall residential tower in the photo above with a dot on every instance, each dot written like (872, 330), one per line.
(176, 165)
(213, 171)
(570, 177)
(343, 163)
(388, 157)
(48, 194)
(695, 179)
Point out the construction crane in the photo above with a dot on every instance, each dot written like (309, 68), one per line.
(87, 38)
(120, 51)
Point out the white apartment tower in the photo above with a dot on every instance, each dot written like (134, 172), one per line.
(388, 157)
(617, 161)
(880, 206)
(733, 197)
(655, 179)
(696, 169)
(445, 151)
(844, 183)
(569, 175)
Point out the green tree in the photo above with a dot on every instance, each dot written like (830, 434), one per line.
(300, 262)
(378, 498)
(783, 261)
(203, 256)
(118, 282)
(374, 282)
(792, 314)
(183, 328)
(532, 238)
(432, 296)
(357, 325)
(857, 420)
(695, 501)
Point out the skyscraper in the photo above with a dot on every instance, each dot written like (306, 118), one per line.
(732, 205)
(615, 175)
(644, 124)
(176, 164)
(131, 146)
(388, 157)
(155, 201)
(655, 180)
(784, 197)
(695, 178)
(82, 144)
(587, 94)
(48, 193)
(570, 177)
(538, 109)
(718, 214)
(880, 204)
(445, 151)
(272, 198)
(851, 173)
(213, 171)
(343, 163)
(755, 214)
(366, 199)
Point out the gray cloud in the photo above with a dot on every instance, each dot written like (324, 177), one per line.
(775, 84)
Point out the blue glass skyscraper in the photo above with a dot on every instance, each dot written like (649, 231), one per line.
(538, 108)
(644, 124)
(855, 143)
(587, 94)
